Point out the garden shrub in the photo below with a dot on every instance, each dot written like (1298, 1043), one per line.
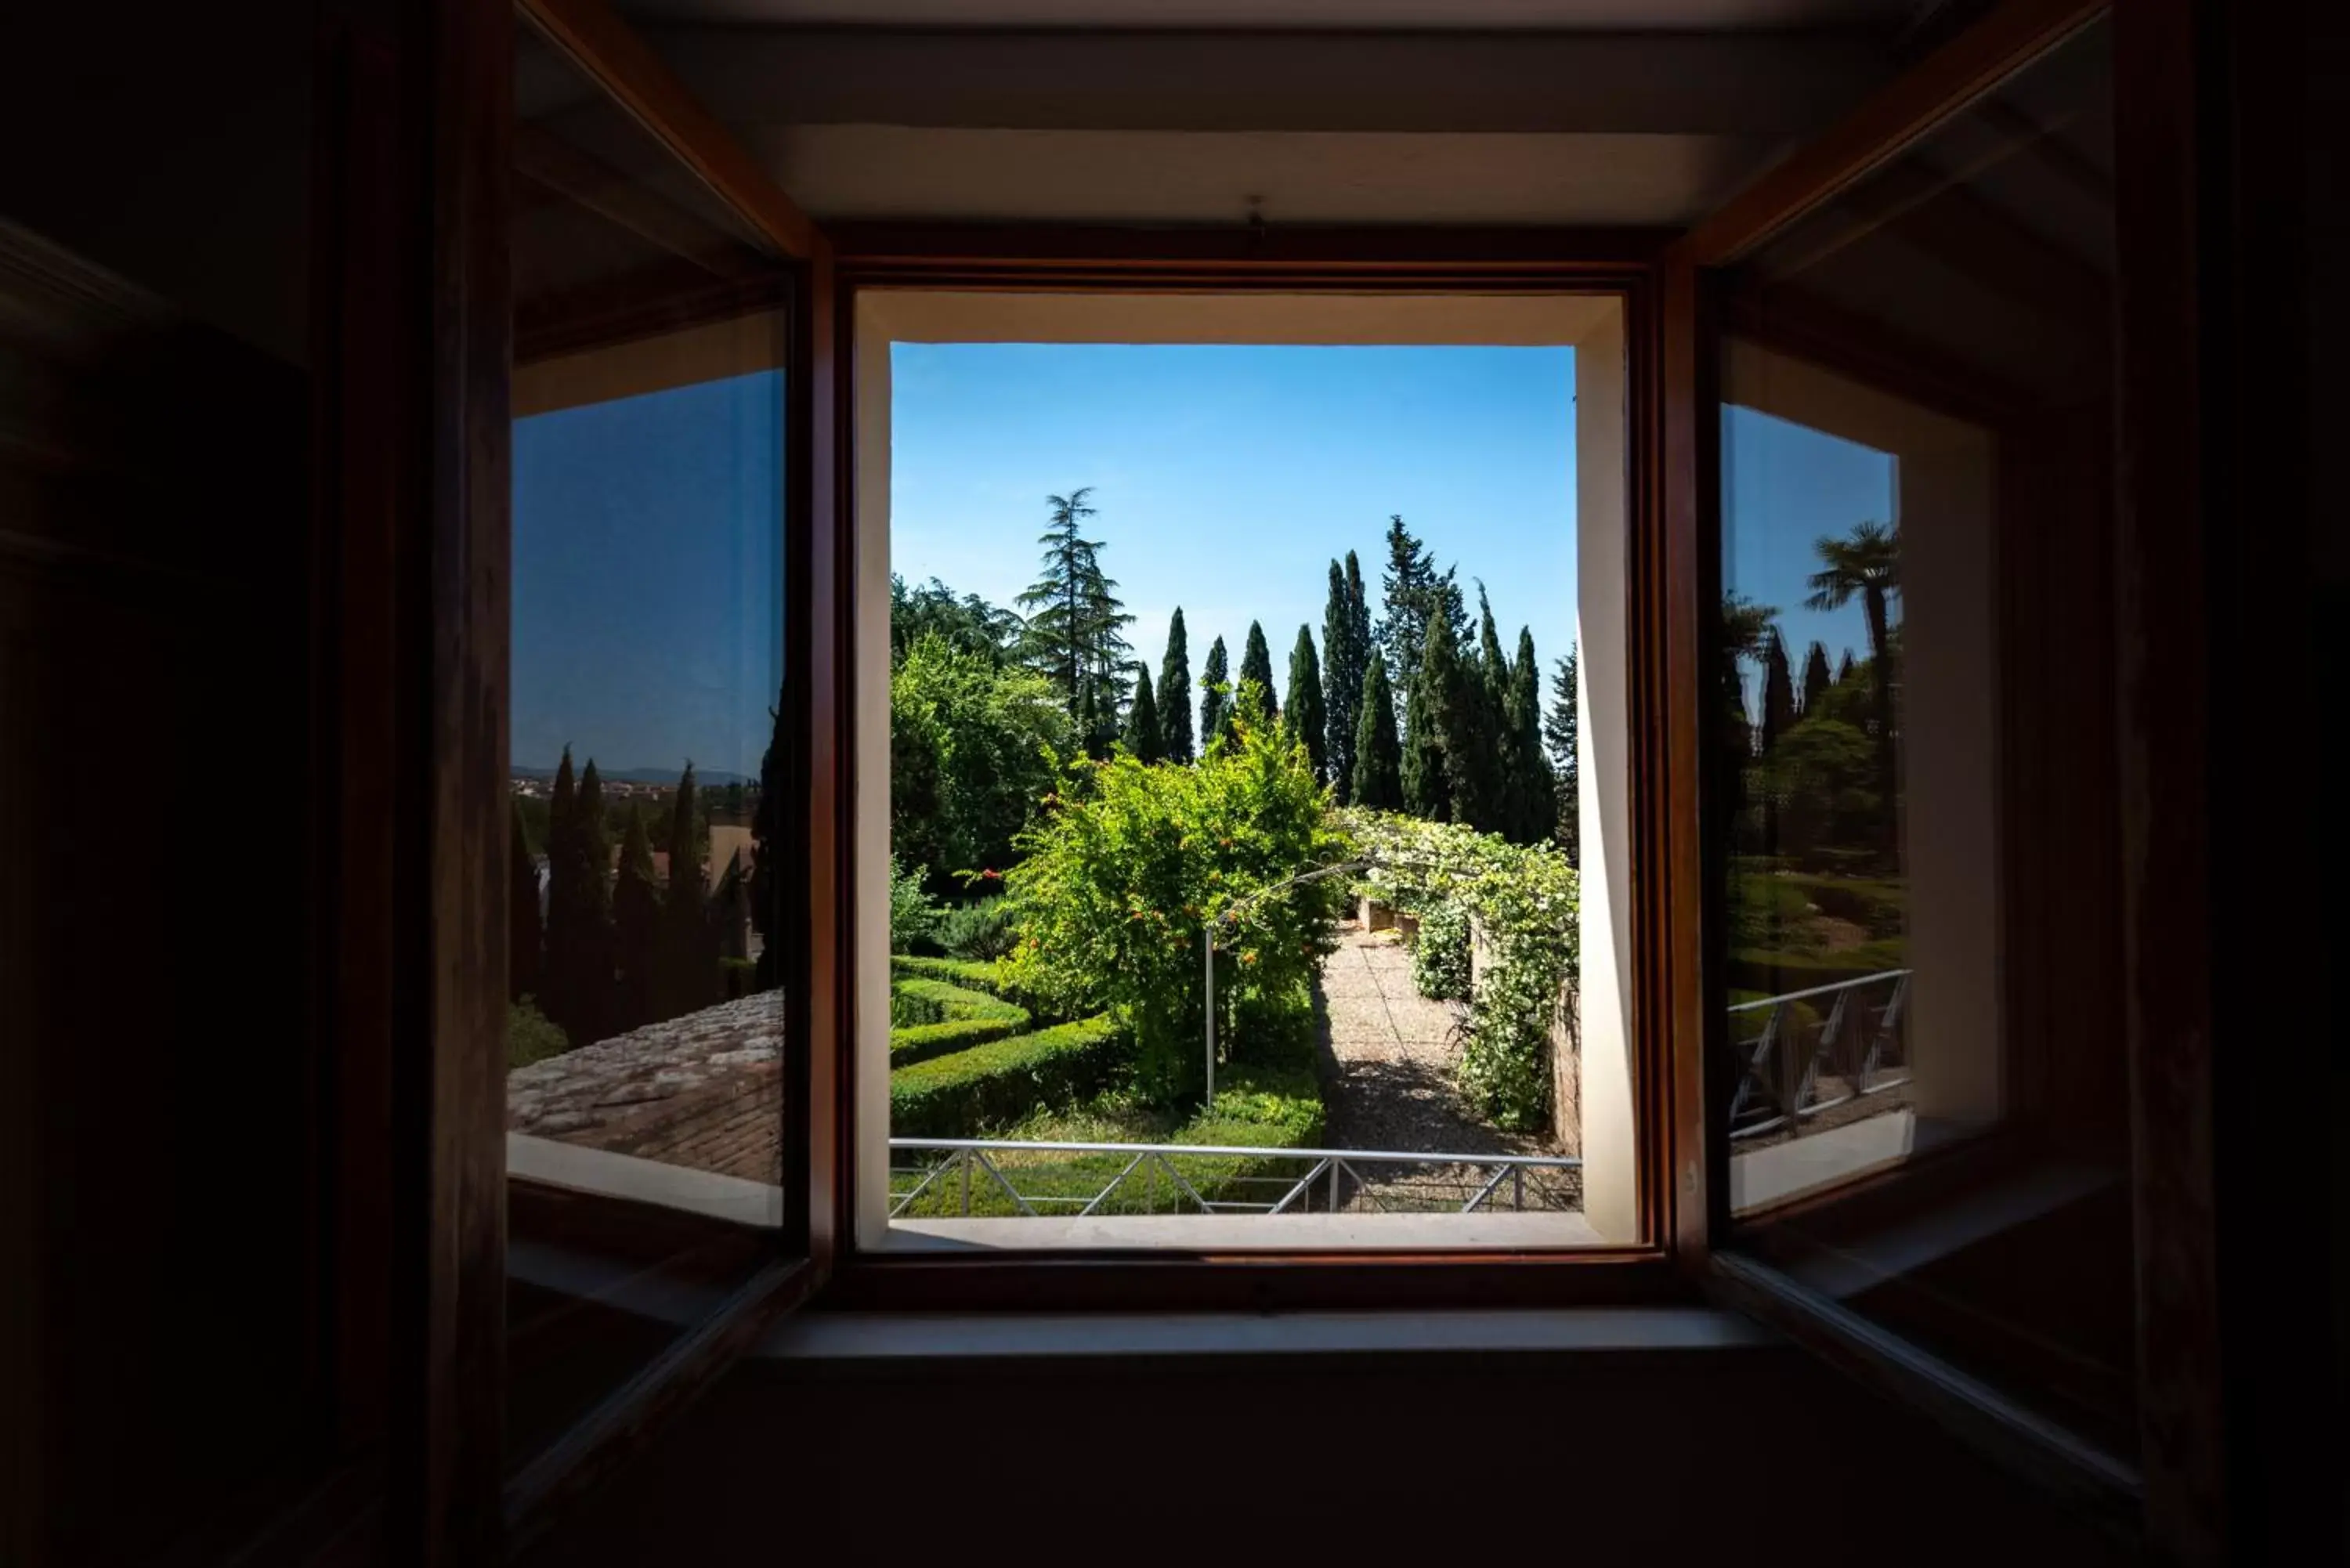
(908, 1009)
(912, 913)
(1525, 897)
(920, 1042)
(530, 1035)
(981, 932)
(986, 977)
(1132, 860)
(933, 1017)
(1440, 953)
(958, 1094)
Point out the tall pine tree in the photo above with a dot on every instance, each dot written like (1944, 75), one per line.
(1378, 756)
(1346, 661)
(1215, 697)
(1504, 784)
(1256, 664)
(1174, 694)
(1304, 718)
(1535, 802)
(1463, 700)
(1845, 668)
(1816, 679)
(685, 968)
(1563, 732)
(1141, 736)
(1076, 620)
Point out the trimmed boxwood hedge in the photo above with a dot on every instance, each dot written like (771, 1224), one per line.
(955, 971)
(931, 1018)
(920, 1042)
(1767, 973)
(955, 1095)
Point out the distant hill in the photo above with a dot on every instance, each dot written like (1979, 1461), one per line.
(703, 777)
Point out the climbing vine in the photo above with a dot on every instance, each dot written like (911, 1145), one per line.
(1524, 901)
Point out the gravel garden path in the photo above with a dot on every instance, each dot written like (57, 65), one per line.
(1388, 1058)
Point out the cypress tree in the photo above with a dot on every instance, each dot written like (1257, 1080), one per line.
(1305, 719)
(767, 837)
(1464, 706)
(1427, 779)
(1563, 730)
(1845, 668)
(1816, 679)
(685, 968)
(1778, 689)
(1256, 664)
(1379, 757)
(1537, 807)
(636, 923)
(522, 911)
(1346, 662)
(1174, 695)
(1503, 785)
(1215, 697)
(1142, 735)
(578, 965)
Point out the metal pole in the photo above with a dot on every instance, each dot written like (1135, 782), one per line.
(1207, 961)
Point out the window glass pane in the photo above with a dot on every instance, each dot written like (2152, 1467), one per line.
(644, 1051)
(1239, 893)
(1921, 1072)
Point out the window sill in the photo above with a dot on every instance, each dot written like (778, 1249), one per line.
(840, 1338)
(1246, 1233)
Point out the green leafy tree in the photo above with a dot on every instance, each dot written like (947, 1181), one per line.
(1256, 664)
(1866, 564)
(1304, 718)
(1345, 660)
(1536, 803)
(636, 923)
(523, 936)
(1141, 737)
(1563, 732)
(1215, 697)
(912, 915)
(685, 962)
(969, 623)
(1379, 756)
(1744, 626)
(1131, 862)
(1816, 678)
(1174, 694)
(1075, 631)
(974, 746)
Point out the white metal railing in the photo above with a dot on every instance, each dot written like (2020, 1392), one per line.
(1861, 1047)
(1026, 1179)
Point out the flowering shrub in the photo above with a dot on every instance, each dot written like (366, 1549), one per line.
(1525, 900)
(1131, 861)
(1440, 953)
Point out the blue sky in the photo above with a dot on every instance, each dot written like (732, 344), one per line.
(647, 573)
(1228, 477)
(646, 562)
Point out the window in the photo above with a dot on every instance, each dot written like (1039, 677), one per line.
(1919, 1052)
(1113, 868)
(650, 776)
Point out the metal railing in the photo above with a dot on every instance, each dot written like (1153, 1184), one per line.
(962, 1177)
(1860, 1048)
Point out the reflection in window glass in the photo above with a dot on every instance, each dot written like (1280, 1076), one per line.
(645, 1024)
(1922, 1080)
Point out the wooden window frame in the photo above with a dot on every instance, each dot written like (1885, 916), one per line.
(1620, 264)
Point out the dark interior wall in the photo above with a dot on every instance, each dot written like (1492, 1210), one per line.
(1720, 1455)
(155, 979)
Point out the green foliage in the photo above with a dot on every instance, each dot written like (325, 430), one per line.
(1173, 699)
(1416, 596)
(1257, 665)
(523, 935)
(968, 625)
(770, 832)
(909, 1007)
(1346, 662)
(933, 1017)
(957, 1094)
(1561, 733)
(972, 746)
(739, 978)
(912, 913)
(1524, 898)
(1303, 718)
(636, 923)
(685, 966)
(1379, 756)
(1427, 788)
(1532, 812)
(1075, 631)
(530, 1036)
(1440, 953)
(1141, 736)
(1130, 863)
(577, 968)
(1215, 696)
(982, 932)
(986, 977)
(1765, 972)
